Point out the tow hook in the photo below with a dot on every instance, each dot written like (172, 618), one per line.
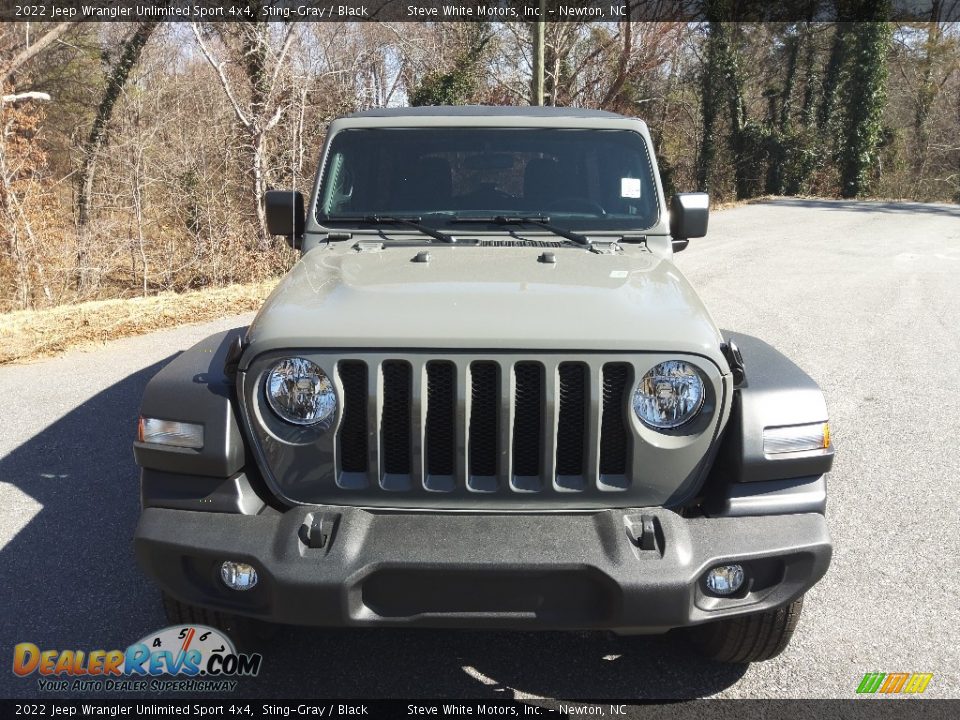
(645, 532)
(315, 530)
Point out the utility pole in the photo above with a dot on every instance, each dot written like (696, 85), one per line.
(538, 59)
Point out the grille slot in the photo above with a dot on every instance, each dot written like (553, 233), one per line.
(484, 397)
(528, 420)
(613, 431)
(572, 421)
(353, 425)
(395, 417)
(441, 400)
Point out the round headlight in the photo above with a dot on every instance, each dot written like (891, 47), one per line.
(669, 395)
(299, 392)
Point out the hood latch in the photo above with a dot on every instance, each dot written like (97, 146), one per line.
(605, 248)
(737, 368)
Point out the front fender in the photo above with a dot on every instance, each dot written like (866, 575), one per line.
(746, 480)
(195, 388)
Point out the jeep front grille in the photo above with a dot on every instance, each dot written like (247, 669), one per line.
(483, 426)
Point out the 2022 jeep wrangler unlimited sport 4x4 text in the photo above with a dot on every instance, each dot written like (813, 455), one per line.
(485, 397)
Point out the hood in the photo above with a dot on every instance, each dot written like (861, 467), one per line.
(491, 298)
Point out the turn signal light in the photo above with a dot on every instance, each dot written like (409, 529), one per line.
(796, 438)
(170, 432)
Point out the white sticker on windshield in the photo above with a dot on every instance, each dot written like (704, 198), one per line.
(618, 273)
(630, 187)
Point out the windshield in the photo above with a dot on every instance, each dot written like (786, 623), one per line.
(582, 179)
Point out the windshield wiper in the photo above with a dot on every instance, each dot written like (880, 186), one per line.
(540, 220)
(413, 222)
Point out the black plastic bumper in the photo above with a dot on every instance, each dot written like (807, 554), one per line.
(483, 570)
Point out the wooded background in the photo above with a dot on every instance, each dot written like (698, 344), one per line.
(145, 169)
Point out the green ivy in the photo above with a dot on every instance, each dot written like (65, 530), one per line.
(457, 86)
(865, 98)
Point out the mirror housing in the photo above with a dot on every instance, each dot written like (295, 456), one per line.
(285, 214)
(689, 213)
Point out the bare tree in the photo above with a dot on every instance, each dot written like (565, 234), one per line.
(17, 56)
(116, 80)
(262, 109)
(19, 166)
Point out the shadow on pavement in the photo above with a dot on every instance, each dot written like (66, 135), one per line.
(870, 206)
(71, 581)
(372, 663)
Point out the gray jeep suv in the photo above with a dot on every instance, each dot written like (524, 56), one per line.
(486, 397)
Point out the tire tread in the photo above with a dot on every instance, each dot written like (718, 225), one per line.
(750, 638)
(245, 632)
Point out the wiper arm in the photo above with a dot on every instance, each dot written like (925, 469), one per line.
(413, 222)
(539, 220)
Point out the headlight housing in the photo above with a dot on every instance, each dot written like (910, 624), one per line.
(299, 392)
(669, 395)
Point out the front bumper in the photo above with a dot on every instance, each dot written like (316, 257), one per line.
(521, 571)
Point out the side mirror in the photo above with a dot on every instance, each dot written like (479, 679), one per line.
(688, 218)
(285, 215)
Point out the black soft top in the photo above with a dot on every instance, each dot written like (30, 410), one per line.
(484, 111)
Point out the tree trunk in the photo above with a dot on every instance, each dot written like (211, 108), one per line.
(119, 75)
(258, 141)
(926, 94)
(786, 97)
(10, 66)
(623, 65)
(809, 76)
(538, 32)
(722, 83)
(255, 46)
(865, 91)
(781, 121)
(116, 81)
(253, 119)
(736, 106)
(710, 82)
(832, 76)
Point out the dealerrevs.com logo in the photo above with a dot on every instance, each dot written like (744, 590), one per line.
(188, 658)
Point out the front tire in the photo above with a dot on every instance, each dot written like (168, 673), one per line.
(245, 632)
(748, 638)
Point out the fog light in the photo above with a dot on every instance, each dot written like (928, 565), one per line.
(238, 575)
(725, 579)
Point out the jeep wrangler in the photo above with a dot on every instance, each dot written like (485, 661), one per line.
(485, 397)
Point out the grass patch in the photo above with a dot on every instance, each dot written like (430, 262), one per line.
(31, 334)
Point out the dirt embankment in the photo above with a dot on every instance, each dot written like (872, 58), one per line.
(29, 334)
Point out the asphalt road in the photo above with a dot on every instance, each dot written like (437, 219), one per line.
(864, 296)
